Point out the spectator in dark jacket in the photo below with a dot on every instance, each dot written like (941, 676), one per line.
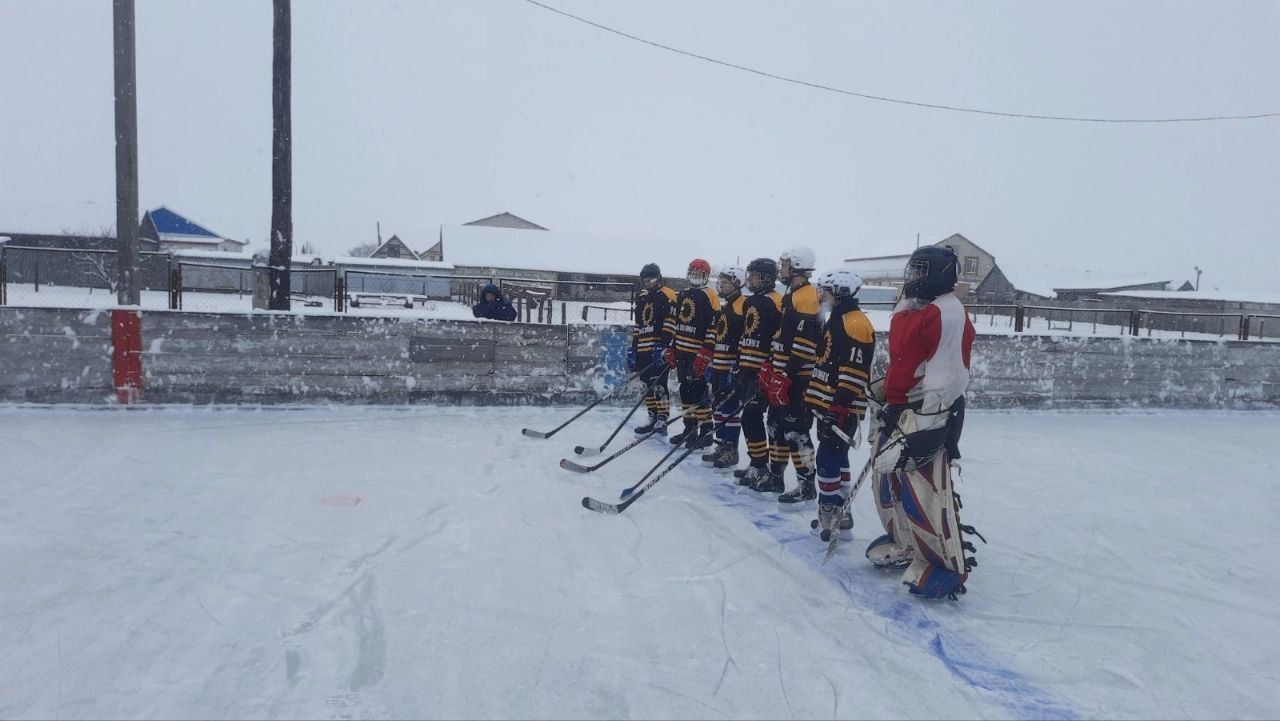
(492, 305)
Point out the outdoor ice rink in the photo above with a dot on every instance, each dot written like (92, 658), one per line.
(430, 562)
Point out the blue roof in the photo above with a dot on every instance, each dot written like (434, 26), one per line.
(168, 222)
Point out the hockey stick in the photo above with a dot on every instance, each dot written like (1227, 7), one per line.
(584, 451)
(716, 404)
(613, 508)
(569, 465)
(547, 434)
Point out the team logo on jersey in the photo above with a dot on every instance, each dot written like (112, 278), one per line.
(751, 322)
(722, 328)
(646, 316)
(687, 310)
(826, 349)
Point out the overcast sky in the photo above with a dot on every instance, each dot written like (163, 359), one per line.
(420, 112)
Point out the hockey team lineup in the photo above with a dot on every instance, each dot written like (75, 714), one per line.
(770, 365)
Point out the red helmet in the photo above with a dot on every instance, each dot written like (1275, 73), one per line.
(699, 272)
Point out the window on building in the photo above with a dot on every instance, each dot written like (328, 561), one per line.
(393, 252)
(970, 265)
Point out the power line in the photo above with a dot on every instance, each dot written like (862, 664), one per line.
(883, 99)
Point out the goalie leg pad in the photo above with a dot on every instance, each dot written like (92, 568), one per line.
(929, 504)
(892, 550)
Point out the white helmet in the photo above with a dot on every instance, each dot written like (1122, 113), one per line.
(800, 258)
(734, 274)
(841, 283)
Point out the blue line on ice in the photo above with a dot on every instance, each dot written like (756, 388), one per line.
(964, 658)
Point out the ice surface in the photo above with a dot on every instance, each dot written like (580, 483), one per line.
(432, 562)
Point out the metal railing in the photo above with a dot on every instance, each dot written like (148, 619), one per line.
(65, 277)
(629, 312)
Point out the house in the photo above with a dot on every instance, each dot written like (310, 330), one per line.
(394, 248)
(506, 220)
(563, 266)
(979, 277)
(173, 231)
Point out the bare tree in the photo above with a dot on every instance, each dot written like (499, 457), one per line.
(97, 263)
(364, 250)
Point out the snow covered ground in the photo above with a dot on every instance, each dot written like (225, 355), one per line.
(433, 563)
(71, 297)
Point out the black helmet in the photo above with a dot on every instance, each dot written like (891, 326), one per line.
(930, 272)
(767, 268)
(650, 270)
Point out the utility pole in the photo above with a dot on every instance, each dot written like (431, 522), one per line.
(128, 282)
(281, 159)
(1198, 272)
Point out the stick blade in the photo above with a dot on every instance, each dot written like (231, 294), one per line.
(582, 451)
(569, 465)
(529, 432)
(592, 504)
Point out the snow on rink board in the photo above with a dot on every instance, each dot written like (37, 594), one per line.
(434, 563)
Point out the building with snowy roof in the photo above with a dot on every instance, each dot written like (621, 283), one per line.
(979, 277)
(174, 231)
(527, 258)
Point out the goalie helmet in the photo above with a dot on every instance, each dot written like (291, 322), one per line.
(699, 273)
(930, 272)
(840, 283)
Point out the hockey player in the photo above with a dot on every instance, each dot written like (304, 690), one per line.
(761, 314)
(653, 324)
(838, 391)
(930, 338)
(695, 309)
(795, 352)
(724, 361)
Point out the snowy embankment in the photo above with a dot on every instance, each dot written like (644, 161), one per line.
(431, 563)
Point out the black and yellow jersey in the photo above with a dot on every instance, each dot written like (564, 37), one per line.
(727, 331)
(695, 310)
(653, 318)
(760, 316)
(844, 368)
(795, 345)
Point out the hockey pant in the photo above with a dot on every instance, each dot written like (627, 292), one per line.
(832, 467)
(788, 428)
(694, 400)
(726, 415)
(657, 399)
(754, 407)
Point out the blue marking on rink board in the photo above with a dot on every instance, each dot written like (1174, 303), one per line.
(613, 356)
(877, 591)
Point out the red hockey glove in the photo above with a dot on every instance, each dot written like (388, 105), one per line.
(762, 379)
(779, 390)
(669, 357)
(701, 361)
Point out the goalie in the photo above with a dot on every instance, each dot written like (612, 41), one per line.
(930, 337)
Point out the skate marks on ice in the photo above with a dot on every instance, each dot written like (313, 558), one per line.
(880, 594)
(350, 620)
